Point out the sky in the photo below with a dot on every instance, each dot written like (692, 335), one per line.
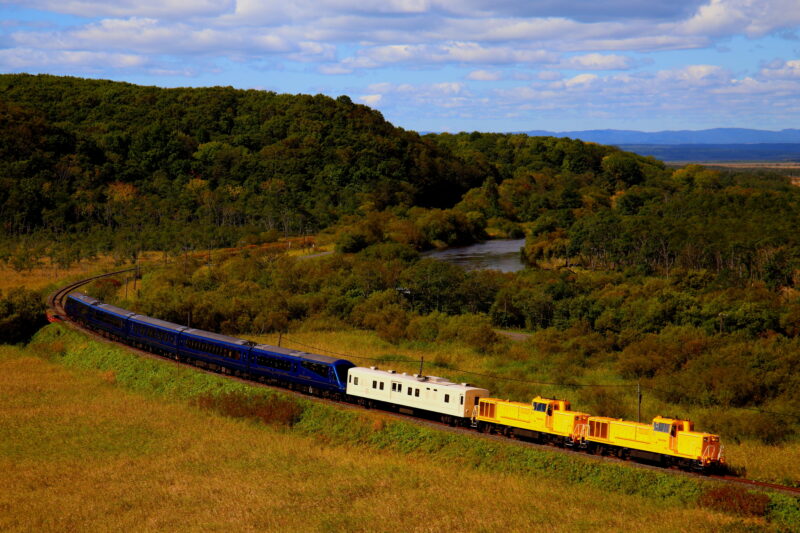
(444, 65)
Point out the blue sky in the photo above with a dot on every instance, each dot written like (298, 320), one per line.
(444, 65)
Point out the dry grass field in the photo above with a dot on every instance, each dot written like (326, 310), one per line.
(80, 453)
(47, 275)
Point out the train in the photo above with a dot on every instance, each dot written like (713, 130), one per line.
(666, 441)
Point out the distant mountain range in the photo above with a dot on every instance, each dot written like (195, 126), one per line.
(712, 136)
(718, 144)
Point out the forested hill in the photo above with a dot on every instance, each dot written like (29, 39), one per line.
(81, 153)
(96, 165)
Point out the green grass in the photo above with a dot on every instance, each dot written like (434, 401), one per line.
(370, 430)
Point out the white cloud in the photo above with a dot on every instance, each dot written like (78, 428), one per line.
(26, 58)
(788, 69)
(581, 80)
(451, 52)
(752, 17)
(597, 62)
(371, 99)
(135, 8)
(485, 75)
(696, 75)
(150, 36)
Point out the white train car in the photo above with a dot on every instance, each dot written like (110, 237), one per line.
(430, 396)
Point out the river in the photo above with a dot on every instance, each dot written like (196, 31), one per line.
(499, 254)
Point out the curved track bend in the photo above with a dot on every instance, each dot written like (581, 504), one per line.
(55, 304)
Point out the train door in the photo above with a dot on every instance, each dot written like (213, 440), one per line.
(396, 389)
(673, 437)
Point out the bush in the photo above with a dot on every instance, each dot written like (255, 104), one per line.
(474, 330)
(383, 312)
(735, 500)
(349, 243)
(21, 315)
(425, 328)
(271, 409)
(605, 402)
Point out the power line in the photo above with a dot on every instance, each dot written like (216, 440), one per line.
(753, 409)
(530, 382)
(459, 370)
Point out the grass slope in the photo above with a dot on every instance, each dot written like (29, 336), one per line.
(121, 446)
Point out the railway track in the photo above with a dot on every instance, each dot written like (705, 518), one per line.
(55, 303)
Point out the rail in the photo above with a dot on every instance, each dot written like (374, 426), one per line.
(55, 304)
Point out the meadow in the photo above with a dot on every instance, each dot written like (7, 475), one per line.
(95, 438)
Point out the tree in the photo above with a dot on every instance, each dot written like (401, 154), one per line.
(21, 314)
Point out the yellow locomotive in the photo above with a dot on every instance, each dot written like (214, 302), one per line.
(542, 420)
(668, 441)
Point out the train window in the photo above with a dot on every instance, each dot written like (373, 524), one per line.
(374, 384)
(349, 379)
(661, 427)
(274, 362)
(410, 391)
(540, 407)
(462, 399)
(598, 429)
(317, 368)
(446, 398)
(356, 381)
(381, 387)
(416, 393)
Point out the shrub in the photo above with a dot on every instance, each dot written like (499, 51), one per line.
(605, 402)
(271, 409)
(474, 330)
(735, 500)
(383, 312)
(425, 328)
(349, 243)
(21, 315)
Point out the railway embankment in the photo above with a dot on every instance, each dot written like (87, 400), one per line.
(332, 424)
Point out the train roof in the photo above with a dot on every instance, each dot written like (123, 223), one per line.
(216, 337)
(85, 298)
(116, 310)
(144, 319)
(414, 378)
(302, 355)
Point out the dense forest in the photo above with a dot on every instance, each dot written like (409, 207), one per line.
(685, 280)
(161, 168)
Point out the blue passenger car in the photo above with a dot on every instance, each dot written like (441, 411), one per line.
(80, 307)
(157, 335)
(215, 349)
(307, 371)
(111, 319)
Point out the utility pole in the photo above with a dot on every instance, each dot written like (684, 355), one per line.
(639, 399)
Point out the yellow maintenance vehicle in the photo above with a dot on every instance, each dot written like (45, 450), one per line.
(667, 441)
(542, 420)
